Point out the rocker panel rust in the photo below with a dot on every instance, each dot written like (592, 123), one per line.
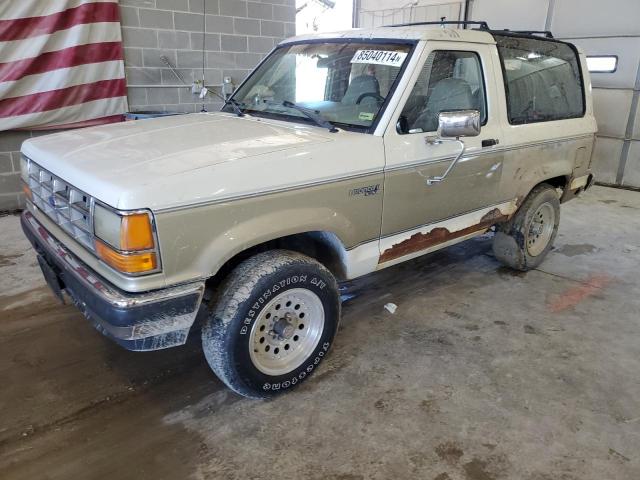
(422, 241)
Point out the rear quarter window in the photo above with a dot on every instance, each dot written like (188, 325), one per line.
(543, 80)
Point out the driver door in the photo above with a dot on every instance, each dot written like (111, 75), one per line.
(418, 217)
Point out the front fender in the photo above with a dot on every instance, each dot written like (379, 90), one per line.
(257, 230)
(196, 242)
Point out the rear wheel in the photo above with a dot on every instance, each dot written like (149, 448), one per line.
(541, 229)
(524, 241)
(274, 322)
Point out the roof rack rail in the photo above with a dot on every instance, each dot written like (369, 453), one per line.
(482, 25)
(546, 33)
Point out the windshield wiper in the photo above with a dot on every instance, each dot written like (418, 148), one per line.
(235, 105)
(228, 101)
(311, 115)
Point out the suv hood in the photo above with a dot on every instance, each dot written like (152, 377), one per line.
(118, 163)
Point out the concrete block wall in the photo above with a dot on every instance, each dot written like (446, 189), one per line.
(11, 196)
(237, 35)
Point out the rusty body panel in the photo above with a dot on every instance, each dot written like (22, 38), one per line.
(441, 234)
(526, 166)
(421, 241)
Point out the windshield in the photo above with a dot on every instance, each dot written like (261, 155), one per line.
(345, 83)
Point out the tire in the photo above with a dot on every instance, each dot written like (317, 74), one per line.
(275, 319)
(524, 241)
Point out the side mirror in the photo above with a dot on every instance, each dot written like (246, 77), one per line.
(451, 126)
(402, 125)
(460, 123)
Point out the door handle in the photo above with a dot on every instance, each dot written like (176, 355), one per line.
(490, 142)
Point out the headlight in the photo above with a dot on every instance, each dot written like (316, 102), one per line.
(125, 241)
(107, 226)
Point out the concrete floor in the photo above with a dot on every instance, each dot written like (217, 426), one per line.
(481, 374)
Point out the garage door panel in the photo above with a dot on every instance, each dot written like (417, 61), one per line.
(636, 124)
(606, 159)
(611, 108)
(508, 14)
(376, 13)
(628, 51)
(572, 18)
(632, 168)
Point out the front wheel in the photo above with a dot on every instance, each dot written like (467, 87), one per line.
(524, 241)
(274, 322)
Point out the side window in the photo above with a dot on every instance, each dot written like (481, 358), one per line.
(542, 78)
(449, 80)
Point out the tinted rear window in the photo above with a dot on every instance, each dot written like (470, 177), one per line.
(543, 81)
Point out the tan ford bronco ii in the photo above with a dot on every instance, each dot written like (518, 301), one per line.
(341, 154)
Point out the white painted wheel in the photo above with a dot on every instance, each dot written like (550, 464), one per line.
(540, 229)
(286, 332)
(272, 323)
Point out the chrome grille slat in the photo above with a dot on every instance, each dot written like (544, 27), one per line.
(80, 207)
(67, 206)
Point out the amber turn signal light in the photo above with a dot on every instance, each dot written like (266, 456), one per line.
(132, 263)
(27, 191)
(136, 233)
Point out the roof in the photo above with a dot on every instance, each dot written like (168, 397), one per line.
(418, 32)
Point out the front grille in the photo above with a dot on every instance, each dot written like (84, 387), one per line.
(70, 208)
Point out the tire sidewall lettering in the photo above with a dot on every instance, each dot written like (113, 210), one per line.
(310, 281)
(257, 306)
(296, 378)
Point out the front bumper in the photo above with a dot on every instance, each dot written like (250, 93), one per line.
(141, 321)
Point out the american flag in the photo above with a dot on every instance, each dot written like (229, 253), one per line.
(61, 64)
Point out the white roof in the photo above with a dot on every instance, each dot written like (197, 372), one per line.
(418, 32)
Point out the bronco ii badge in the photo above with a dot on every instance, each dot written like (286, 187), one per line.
(366, 191)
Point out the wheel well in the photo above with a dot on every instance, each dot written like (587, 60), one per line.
(560, 182)
(322, 246)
